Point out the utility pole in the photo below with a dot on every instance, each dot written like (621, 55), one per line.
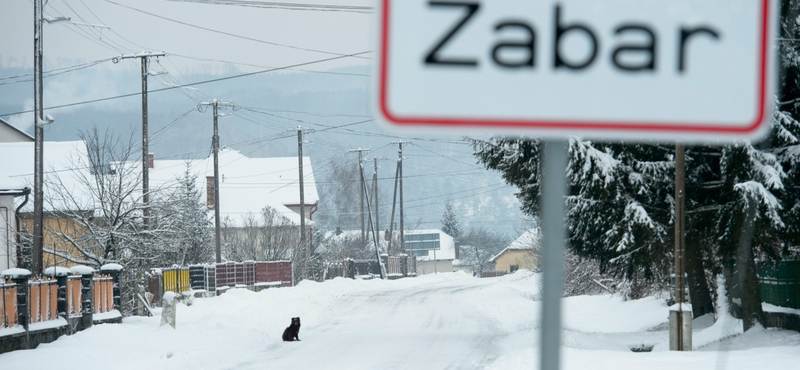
(38, 111)
(400, 176)
(300, 130)
(680, 321)
(360, 152)
(381, 266)
(375, 195)
(215, 145)
(394, 204)
(145, 61)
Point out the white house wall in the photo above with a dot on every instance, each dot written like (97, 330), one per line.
(8, 256)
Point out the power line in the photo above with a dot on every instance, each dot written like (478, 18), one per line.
(235, 35)
(189, 84)
(286, 6)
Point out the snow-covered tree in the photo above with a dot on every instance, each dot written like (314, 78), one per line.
(479, 245)
(450, 223)
(181, 210)
(267, 237)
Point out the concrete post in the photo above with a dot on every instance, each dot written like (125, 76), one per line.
(20, 277)
(168, 308)
(680, 327)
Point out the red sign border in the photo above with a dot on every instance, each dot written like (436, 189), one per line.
(574, 125)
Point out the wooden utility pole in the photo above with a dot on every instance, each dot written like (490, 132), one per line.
(680, 319)
(400, 176)
(38, 133)
(300, 131)
(375, 238)
(394, 204)
(375, 196)
(215, 145)
(145, 62)
(360, 152)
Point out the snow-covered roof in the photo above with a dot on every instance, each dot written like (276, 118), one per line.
(529, 240)
(447, 245)
(246, 184)
(15, 133)
(68, 160)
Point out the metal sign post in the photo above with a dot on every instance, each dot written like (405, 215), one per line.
(646, 70)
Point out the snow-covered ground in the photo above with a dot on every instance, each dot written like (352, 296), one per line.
(445, 321)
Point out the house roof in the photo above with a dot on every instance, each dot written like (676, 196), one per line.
(22, 135)
(246, 185)
(529, 240)
(65, 159)
(447, 245)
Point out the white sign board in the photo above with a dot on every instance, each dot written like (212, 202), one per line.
(645, 69)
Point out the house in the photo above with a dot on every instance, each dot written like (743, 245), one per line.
(246, 185)
(66, 160)
(11, 134)
(522, 253)
(435, 250)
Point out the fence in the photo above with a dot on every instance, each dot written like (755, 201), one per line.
(43, 300)
(8, 304)
(492, 273)
(103, 293)
(214, 277)
(397, 265)
(780, 284)
(73, 296)
(176, 279)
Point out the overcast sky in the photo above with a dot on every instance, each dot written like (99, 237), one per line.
(332, 33)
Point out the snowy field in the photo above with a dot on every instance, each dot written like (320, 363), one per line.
(447, 321)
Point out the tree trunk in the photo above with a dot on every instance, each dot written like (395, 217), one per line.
(699, 292)
(732, 288)
(752, 312)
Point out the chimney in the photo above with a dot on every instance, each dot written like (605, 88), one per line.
(210, 201)
(150, 160)
(458, 250)
(386, 235)
(338, 231)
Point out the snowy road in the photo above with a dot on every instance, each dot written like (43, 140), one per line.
(448, 321)
(429, 328)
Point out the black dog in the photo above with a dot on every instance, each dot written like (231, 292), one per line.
(290, 334)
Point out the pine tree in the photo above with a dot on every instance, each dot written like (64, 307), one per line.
(450, 223)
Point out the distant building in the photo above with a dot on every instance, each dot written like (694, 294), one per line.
(434, 260)
(246, 185)
(522, 253)
(11, 134)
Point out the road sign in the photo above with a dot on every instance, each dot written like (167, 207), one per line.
(422, 242)
(645, 69)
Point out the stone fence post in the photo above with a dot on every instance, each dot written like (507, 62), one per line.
(21, 277)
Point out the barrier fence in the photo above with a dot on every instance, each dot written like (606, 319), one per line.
(209, 278)
(73, 296)
(103, 293)
(43, 300)
(780, 283)
(8, 304)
